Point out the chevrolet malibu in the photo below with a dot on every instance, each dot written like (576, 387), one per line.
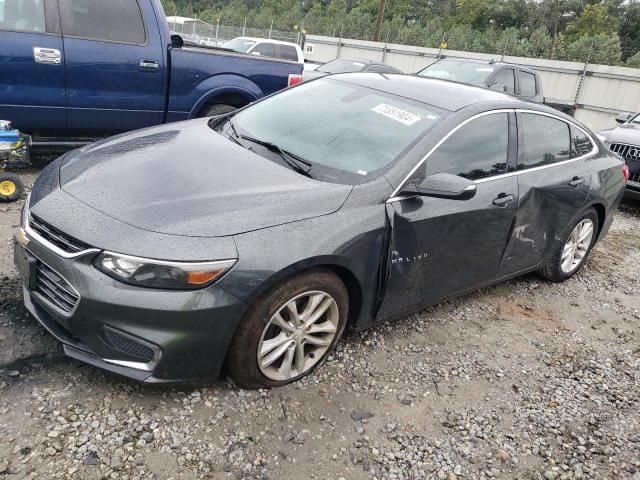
(249, 242)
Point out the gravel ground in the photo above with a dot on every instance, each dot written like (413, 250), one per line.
(524, 380)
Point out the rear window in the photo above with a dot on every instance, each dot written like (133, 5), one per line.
(114, 21)
(527, 84)
(288, 52)
(22, 15)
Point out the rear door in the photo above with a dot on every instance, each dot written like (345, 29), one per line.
(115, 65)
(32, 89)
(554, 176)
(441, 247)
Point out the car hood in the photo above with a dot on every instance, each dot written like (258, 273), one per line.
(627, 133)
(186, 179)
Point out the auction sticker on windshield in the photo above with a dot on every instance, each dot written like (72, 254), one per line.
(396, 114)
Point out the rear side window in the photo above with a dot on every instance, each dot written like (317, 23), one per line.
(288, 52)
(507, 78)
(113, 20)
(264, 49)
(527, 84)
(477, 150)
(545, 140)
(22, 16)
(580, 143)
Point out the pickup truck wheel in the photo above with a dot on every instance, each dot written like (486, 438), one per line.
(11, 187)
(216, 109)
(289, 331)
(571, 252)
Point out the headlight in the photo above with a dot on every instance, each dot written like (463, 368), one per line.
(146, 272)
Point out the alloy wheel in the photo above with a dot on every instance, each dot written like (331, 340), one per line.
(577, 246)
(298, 335)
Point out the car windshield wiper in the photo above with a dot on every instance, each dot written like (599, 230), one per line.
(299, 164)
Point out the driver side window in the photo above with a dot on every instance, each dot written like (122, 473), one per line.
(477, 150)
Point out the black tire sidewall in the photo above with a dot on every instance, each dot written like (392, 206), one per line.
(15, 179)
(242, 359)
(554, 270)
(217, 110)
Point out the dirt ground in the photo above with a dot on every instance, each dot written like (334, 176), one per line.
(524, 380)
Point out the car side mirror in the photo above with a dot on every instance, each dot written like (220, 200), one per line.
(500, 87)
(177, 41)
(624, 117)
(442, 185)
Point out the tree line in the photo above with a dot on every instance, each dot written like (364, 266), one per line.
(606, 32)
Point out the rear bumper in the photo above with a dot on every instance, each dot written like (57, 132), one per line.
(148, 335)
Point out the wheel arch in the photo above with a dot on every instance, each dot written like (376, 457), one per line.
(335, 265)
(601, 211)
(235, 96)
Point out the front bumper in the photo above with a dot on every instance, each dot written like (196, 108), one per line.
(154, 336)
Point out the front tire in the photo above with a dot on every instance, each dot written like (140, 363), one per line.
(289, 331)
(570, 254)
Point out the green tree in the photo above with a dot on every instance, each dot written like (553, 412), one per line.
(596, 49)
(593, 20)
(634, 61)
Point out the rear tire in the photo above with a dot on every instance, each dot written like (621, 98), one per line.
(216, 110)
(571, 252)
(11, 187)
(273, 346)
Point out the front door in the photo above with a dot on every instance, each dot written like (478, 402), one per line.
(441, 247)
(32, 85)
(115, 65)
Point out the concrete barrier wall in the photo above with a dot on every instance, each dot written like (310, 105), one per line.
(601, 92)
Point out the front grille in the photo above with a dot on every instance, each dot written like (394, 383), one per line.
(56, 237)
(55, 289)
(628, 152)
(130, 347)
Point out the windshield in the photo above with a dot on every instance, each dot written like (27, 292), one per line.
(339, 125)
(459, 71)
(239, 44)
(636, 119)
(341, 66)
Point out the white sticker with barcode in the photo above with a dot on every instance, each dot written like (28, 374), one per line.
(396, 114)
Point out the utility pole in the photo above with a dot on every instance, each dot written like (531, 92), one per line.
(376, 33)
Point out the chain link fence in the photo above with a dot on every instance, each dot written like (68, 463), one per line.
(205, 34)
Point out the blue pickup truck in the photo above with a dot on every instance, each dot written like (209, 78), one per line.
(88, 68)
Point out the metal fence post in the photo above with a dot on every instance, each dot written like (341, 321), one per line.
(244, 27)
(271, 28)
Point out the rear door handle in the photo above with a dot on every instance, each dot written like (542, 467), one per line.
(504, 199)
(149, 65)
(47, 56)
(576, 181)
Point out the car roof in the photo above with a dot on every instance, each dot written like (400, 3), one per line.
(270, 40)
(443, 94)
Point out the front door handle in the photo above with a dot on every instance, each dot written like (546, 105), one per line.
(151, 65)
(504, 199)
(576, 181)
(47, 56)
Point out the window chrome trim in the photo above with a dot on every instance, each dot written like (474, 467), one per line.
(595, 150)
